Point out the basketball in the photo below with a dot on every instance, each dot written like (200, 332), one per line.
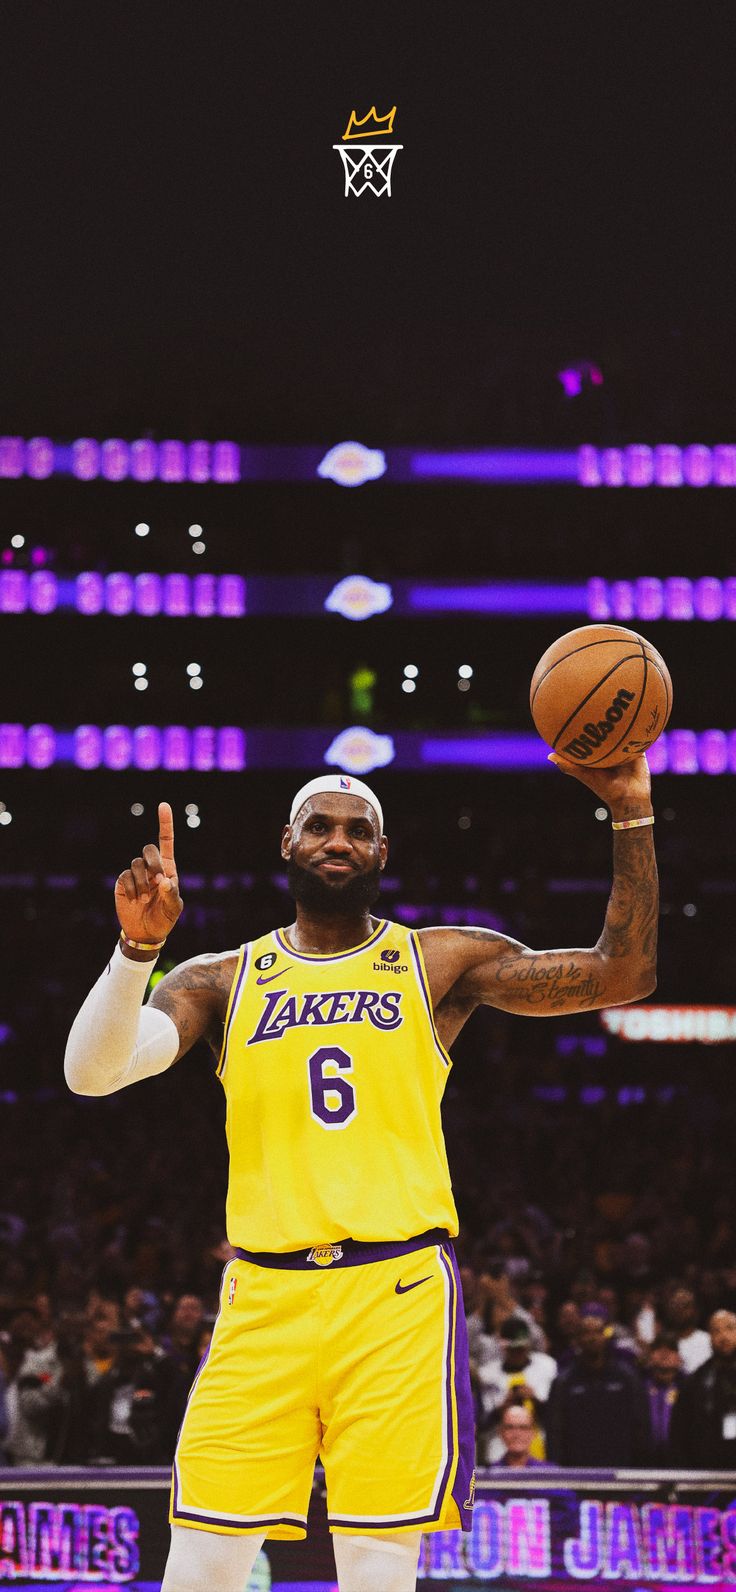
(600, 694)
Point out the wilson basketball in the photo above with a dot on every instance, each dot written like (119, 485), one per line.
(600, 694)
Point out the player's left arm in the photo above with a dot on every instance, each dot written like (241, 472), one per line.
(471, 967)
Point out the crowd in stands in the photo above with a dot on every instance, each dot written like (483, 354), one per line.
(597, 1247)
(609, 1397)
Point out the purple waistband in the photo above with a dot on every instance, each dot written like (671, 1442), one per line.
(349, 1252)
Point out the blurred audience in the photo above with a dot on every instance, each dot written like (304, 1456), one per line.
(517, 1432)
(703, 1426)
(681, 1314)
(519, 1373)
(98, 1347)
(134, 1413)
(621, 1338)
(181, 1341)
(566, 1333)
(597, 1412)
(664, 1378)
(496, 1299)
(34, 1384)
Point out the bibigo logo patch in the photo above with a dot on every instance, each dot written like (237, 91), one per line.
(390, 963)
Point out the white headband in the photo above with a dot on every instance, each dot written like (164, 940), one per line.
(342, 785)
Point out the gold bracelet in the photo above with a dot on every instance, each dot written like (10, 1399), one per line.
(142, 945)
(633, 823)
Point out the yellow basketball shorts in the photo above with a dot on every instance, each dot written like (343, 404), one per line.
(352, 1353)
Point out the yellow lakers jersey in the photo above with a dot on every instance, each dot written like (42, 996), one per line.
(333, 1074)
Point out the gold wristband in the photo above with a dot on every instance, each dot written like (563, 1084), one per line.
(142, 945)
(633, 823)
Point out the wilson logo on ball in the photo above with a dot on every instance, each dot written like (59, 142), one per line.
(600, 694)
(594, 735)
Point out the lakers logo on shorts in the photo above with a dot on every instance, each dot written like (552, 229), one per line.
(324, 1254)
(470, 1500)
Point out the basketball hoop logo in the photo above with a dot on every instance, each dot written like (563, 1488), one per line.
(368, 165)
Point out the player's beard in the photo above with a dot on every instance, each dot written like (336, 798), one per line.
(347, 899)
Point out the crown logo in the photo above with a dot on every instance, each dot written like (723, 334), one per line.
(370, 126)
(366, 165)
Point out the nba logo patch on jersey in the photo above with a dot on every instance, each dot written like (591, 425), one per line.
(231, 1290)
(324, 1254)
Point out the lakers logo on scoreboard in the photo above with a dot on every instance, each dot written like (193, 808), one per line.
(325, 1254)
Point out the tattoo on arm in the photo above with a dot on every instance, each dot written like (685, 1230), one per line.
(632, 916)
(550, 979)
(621, 967)
(554, 983)
(193, 996)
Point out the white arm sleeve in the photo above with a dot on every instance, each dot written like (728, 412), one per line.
(114, 1039)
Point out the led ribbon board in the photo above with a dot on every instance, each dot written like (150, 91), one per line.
(231, 748)
(352, 464)
(645, 598)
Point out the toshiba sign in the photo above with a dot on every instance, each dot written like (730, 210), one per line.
(685, 1025)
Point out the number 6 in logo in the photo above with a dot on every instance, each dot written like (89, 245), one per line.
(332, 1097)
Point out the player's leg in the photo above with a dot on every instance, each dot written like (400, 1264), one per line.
(395, 1403)
(246, 1450)
(201, 1560)
(377, 1563)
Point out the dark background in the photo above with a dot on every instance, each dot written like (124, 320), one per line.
(178, 254)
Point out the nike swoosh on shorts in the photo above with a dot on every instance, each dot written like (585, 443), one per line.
(271, 976)
(408, 1285)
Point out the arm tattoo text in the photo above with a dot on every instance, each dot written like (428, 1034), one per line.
(552, 985)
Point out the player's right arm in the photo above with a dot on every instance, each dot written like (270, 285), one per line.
(114, 1039)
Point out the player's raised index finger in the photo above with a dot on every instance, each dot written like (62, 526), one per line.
(166, 832)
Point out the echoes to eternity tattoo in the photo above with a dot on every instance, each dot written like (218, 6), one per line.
(550, 984)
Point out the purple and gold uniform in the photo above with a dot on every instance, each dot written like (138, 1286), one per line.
(341, 1332)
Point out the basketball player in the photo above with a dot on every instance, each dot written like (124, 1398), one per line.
(340, 1333)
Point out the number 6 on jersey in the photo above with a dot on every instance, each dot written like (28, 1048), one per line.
(325, 1086)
